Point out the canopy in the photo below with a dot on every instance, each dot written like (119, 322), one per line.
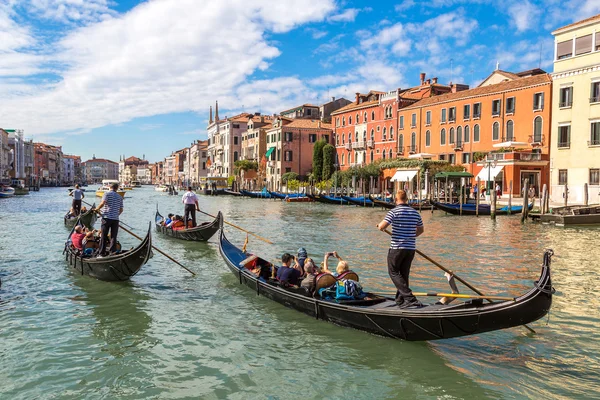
(268, 153)
(510, 144)
(421, 155)
(404, 175)
(493, 173)
(446, 174)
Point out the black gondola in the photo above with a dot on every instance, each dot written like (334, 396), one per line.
(88, 219)
(484, 209)
(425, 204)
(379, 315)
(328, 199)
(200, 233)
(117, 267)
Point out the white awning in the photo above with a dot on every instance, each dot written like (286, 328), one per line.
(421, 155)
(404, 175)
(492, 174)
(510, 144)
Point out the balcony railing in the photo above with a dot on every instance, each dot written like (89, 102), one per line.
(412, 149)
(564, 145)
(458, 146)
(594, 142)
(272, 164)
(348, 146)
(508, 138)
(536, 140)
(565, 104)
(370, 143)
(358, 145)
(514, 156)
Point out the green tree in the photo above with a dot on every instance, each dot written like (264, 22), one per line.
(293, 185)
(328, 161)
(289, 176)
(244, 165)
(317, 164)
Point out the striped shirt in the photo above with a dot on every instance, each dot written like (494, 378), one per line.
(404, 221)
(113, 202)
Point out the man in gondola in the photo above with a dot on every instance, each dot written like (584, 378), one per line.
(77, 197)
(111, 207)
(190, 201)
(406, 225)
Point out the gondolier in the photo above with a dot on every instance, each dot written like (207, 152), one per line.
(190, 201)
(406, 225)
(111, 207)
(77, 197)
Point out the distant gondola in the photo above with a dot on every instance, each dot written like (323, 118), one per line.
(322, 198)
(424, 204)
(359, 201)
(379, 315)
(117, 267)
(484, 209)
(200, 233)
(263, 194)
(284, 196)
(230, 193)
(88, 219)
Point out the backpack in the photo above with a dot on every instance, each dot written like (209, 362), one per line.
(347, 289)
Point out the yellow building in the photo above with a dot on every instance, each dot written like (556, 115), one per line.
(575, 138)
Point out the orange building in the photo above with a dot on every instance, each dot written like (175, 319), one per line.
(504, 121)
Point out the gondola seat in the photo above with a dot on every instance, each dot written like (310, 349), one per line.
(348, 275)
(323, 281)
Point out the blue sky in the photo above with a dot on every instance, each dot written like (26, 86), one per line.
(108, 78)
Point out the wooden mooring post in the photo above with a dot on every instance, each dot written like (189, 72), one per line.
(477, 197)
(585, 194)
(525, 208)
(543, 195)
(493, 199)
(510, 189)
(460, 198)
(566, 194)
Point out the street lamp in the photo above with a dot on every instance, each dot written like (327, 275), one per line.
(490, 163)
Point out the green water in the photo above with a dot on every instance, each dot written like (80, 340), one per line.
(169, 335)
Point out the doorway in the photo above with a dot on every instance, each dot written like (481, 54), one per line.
(534, 180)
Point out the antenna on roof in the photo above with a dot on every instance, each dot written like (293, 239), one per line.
(541, 46)
(452, 70)
(497, 65)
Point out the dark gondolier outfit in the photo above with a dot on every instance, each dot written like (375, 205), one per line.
(404, 221)
(113, 203)
(77, 197)
(189, 200)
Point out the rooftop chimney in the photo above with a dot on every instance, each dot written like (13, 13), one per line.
(210, 119)
(434, 80)
(357, 97)
(422, 76)
(332, 98)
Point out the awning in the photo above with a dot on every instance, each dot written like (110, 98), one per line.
(493, 173)
(403, 175)
(421, 156)
(510, 144)
(268, 153)
(446, 174)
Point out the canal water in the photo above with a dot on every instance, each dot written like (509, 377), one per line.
(167, 334)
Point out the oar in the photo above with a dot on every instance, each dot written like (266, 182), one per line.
(458, 296)
(440, 266)
(241, 229)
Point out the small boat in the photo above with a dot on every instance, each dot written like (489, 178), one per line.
(136, 184)
(161, 188)
(570, 215)
(299, 200)
(125, 186)
(263, 194)
(284, 196)
(117, 267)
(106, 183)
(73, 188)
(19, 186)
(6, 191)
(323, 198)
(200, 233)
(87, 219)
(380, 315)
(229, 192)
(484, 209)
(359, 201)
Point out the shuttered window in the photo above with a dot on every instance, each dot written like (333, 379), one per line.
(583, 45)
(564, 49)
(597, 41)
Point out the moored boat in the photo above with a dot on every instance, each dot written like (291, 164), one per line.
(299, 200)
(284, 196)
(106, 183)
(484, 209)
(323, 198)
(570, 215)
(117, 267)
(263, 194)
(161, 188)
(230, 192)
(87, 219)
(379, 315)
(19, 186)
(6, 191)
(200, 233)
(359, 201)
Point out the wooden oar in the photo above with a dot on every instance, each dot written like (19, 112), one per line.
(453, 295)
(241, 229)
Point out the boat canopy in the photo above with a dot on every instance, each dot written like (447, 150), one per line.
(448, 174)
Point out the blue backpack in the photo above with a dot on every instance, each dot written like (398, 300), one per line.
(347, 289)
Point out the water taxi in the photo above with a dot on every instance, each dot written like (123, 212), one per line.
(106, 183)
(161, 188)
(6, 191)
(19, 186)
(136, 184)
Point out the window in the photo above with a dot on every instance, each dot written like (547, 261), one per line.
(467, 111)
(443, 116)
(401, 142)
(564, 49)
(343, 121)
(288, 169)
(427, 138)
(289, 136)
(538, 101)
(372, 157)
(564, 136)
(365, 135)
(595, 176)
(442, 157)
(413, 120)
(401, 123)
(477, 110)
(337, 121)
(383, 154)
(595, 92)
(391, 133)
(583, 45)
(566, 97)
(451, 158)
(312, 137)
(235, 156)
(343, 139)
(428, 118)
(390, 153)
(357, 118)
(467, 134)
(537, 130)
(372, 135)
(496, 131)
(236, 125)
(451, 141)
(384, 136)
(372, 115)
(365, 116)
(356, 136)
(510, 105)
(349, 137)
(278, 155)
(287, 155)
(452, 114)
(459, 136)
(466, 158)
(510, 130)
(595, 134)
(309, 112)
(342, 159)
(443, 137)
(496, 107)
(350, 120)
(337, 139)
(562, 177)
(413, 142)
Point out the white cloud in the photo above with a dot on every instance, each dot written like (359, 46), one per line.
(524, 15)
(316, 33)
(405, 5)
(393, 36)
(347, 15)
(71, 10)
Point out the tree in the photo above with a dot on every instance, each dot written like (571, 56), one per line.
(244, 165)
(289, 176)
(318, 160)
(328, 161)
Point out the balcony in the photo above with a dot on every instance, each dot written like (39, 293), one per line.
(348, 146)
(509, 138)
(370, 144)
(272, 164)
(517, 156)
(358, 145)
(412, 149)
(536, 140)
(458, 146)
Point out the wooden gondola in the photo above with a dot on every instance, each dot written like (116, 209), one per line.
(284, 196)
(484, 209)
(228, 192)
(200, 233)
(87, 219)
(379, 315)
(117, 267)
(359, 201)
(322, 198)
(263, 194)
(424, 204)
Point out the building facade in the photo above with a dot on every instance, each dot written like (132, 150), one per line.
(575, 146)
(97, 169)
(308, 111)
(4, 157)
(48, 164)
(68, 176)
(326, 109)
(128, 168)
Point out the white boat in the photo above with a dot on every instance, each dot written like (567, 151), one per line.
(106, 184)
(6, 191)
(161, 188)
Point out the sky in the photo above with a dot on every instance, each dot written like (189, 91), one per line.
(111, 78)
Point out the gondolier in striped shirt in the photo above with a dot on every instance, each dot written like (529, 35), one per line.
(190, 201)
(111, 207)
(406, 225)
(77, 197)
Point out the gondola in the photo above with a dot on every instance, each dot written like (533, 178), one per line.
(322, 198)
(263, 194)
(379, 315)
(230, 193)
(117, 267)
(484, 209)
(284, 196)
(424, 204)
(359, 201)
(200, 233)
(88, 219)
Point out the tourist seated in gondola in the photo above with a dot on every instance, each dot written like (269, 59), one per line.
(168, 219)
(287, 274)
(77, 237)
(301, 258)
(176, 223)
(341, 268)
(71, 213)
(310, 280)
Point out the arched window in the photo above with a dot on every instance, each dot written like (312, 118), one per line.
(443, 137)
(342, 158)
(476, 133)
(372, 156)
(357, 118)
(413, 139)
(356, 136)
(401, 142)
(349, 137)
(350, 120)
(343, 121)
(459, 135)
(343, 139)
(365, 116)
(384, 134)
(337, 139)
(337, 121)
(365, 135)
(510, 130)
(372, 135)
(383, 154)
(496, 131)
(537, 130)
(467, 134)
(428, 138)
(390, 154)
(391, 133)
(349, 157)
(372, 115)
(451, 141)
